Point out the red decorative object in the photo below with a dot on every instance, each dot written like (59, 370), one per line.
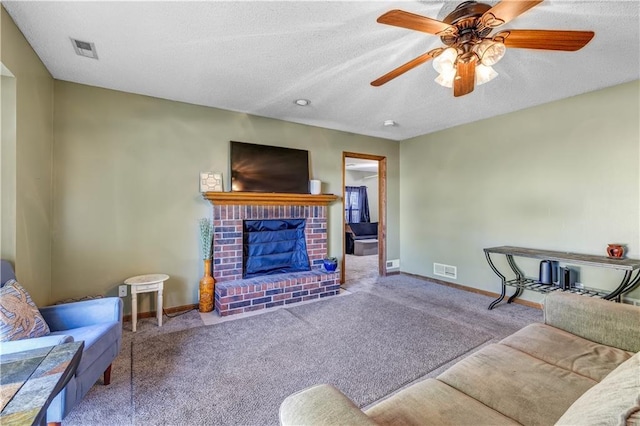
(615, 250)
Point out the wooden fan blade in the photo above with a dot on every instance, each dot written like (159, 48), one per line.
(465, 78)
(400, 18)
(505, 11)
(404, 68)
(545, 39)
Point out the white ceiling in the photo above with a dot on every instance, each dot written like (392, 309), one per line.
(361, 165)
(257, 57)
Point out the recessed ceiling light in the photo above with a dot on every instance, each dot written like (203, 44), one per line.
(302, 102)
(389, 123)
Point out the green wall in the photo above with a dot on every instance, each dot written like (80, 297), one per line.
(561, 176)
(30, 227)
(126, 198)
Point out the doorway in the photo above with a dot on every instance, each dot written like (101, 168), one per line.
(364, 254)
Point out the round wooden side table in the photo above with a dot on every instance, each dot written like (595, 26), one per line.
(145, 284)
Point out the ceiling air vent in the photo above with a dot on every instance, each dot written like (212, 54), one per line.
(84, 48)
(445, 270)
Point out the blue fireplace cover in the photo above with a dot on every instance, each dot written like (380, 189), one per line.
(274, 246)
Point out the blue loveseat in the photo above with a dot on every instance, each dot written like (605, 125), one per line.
(97, 322)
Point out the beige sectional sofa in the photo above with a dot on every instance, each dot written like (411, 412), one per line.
(581, 367)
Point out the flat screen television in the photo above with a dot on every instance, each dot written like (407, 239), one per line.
(264, 168)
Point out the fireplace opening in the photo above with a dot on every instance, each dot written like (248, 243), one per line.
(274, 246)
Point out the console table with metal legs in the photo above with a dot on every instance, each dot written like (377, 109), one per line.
(630, 267)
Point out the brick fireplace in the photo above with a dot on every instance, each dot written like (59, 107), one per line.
(234, 294)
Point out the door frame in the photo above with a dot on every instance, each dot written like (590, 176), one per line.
(382, 209)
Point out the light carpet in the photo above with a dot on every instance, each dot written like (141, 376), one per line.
(115, 404)
(239, 372)
(359, 268)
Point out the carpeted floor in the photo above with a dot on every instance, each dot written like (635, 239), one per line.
(363, 344)
(360, 267)
(162, 371)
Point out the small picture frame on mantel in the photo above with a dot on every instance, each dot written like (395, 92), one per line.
(211, 182)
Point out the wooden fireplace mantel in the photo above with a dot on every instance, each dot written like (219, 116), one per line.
(268, 198)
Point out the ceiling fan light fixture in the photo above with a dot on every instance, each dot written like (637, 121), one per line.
(470, 52)
(484, 74)
(490, 52)
(445, 79)
(445, 61)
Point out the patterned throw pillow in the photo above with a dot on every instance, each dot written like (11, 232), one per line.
(19, 316)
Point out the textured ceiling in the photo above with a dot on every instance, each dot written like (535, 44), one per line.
(257, 57)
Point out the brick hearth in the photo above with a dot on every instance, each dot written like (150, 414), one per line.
(233, 294)
(234, 297)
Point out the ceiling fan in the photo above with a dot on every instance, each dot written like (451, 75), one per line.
(470, 51)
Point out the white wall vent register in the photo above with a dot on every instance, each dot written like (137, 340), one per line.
(393, 264)
(447, 271)
(84, 48)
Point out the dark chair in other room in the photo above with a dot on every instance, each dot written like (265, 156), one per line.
(359, 231)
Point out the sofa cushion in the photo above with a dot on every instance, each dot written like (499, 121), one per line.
(436, 403)
(614, 401)
(33, 343)
(521, 387)
(6, 272)
(566, 350)
(321, 405)
(97, 339)
(19, 316)
(598, 320)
